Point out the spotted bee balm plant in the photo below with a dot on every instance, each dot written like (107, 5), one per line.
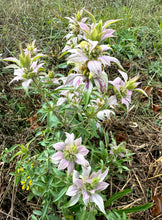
(70, 172)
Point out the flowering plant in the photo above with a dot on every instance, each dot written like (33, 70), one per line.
(73, 108)
(88, 186)
(69, 153)
(28, 66)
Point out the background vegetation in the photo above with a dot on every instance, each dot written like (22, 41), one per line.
(138, 46)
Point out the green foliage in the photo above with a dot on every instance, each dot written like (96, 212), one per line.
(117, 196)
(115, 216)
(48, 183)
(135, 209)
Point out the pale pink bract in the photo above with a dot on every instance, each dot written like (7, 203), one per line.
(88, 186)
(69, 153)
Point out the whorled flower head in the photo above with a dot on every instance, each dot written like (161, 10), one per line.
(69, 153)
(68, 96)
(27, 66)
(89, 57)
(97, 31)
(88, 186)
(26, 75)
(89, 60)
(75, 35)
(124, 88)
(118, 150)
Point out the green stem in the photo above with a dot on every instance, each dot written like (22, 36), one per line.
(72, 118)
(49, 106)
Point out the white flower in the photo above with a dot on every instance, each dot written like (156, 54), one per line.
(89, 186)
(70, 152)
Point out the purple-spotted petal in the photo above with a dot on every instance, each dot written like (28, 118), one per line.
(81, 160)
(93, 44)
(125, 101)
(86, 171)
(75, 176)
(101, 186)
(95, 67)
(84, 27)
(97, 199)
(83, 150)
(85, 195)
(103, 175)
(100, 84)
(77, 81)
(69, 138)
(72, 190)
(77, 57)
(105, 47)
(107, 33)
(61, 101)
(59, 146)
(74, 199)
(26, 83)
(106, 60)
(124, 75)
(78, 141)
(57, 156)
(63, 164)
(112, 101)
(88, 85)
(70, 168)
(104, 114)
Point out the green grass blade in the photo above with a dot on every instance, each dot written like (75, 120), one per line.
(117, 196)
(135, 209)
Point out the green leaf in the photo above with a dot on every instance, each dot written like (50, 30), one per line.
(107, 23)
(91, 216)
(135, 209)
(83, 131)
(29, 142)
(33, 217)
(38, 56)
(30, 196)
(52, 217)
(66, 52)
(12, 173)
(52, 120)
(37, 212)
(62, 192)
(69, 217)
(107, 139)
(111, 215)
(87, 96)
(13, 148)
(117, 196)
(42, 185)
(81, 214)
(15, 155)
(61, 66)
(44, 211)
(141, 91)
(91, 16)
(11, 66)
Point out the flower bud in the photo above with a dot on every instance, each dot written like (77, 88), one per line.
(130, 85)
(31, 74)
(123, 91)
(51, 74)
(25, 76)
(84, 44)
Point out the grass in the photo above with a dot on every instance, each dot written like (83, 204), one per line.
(138, 46)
